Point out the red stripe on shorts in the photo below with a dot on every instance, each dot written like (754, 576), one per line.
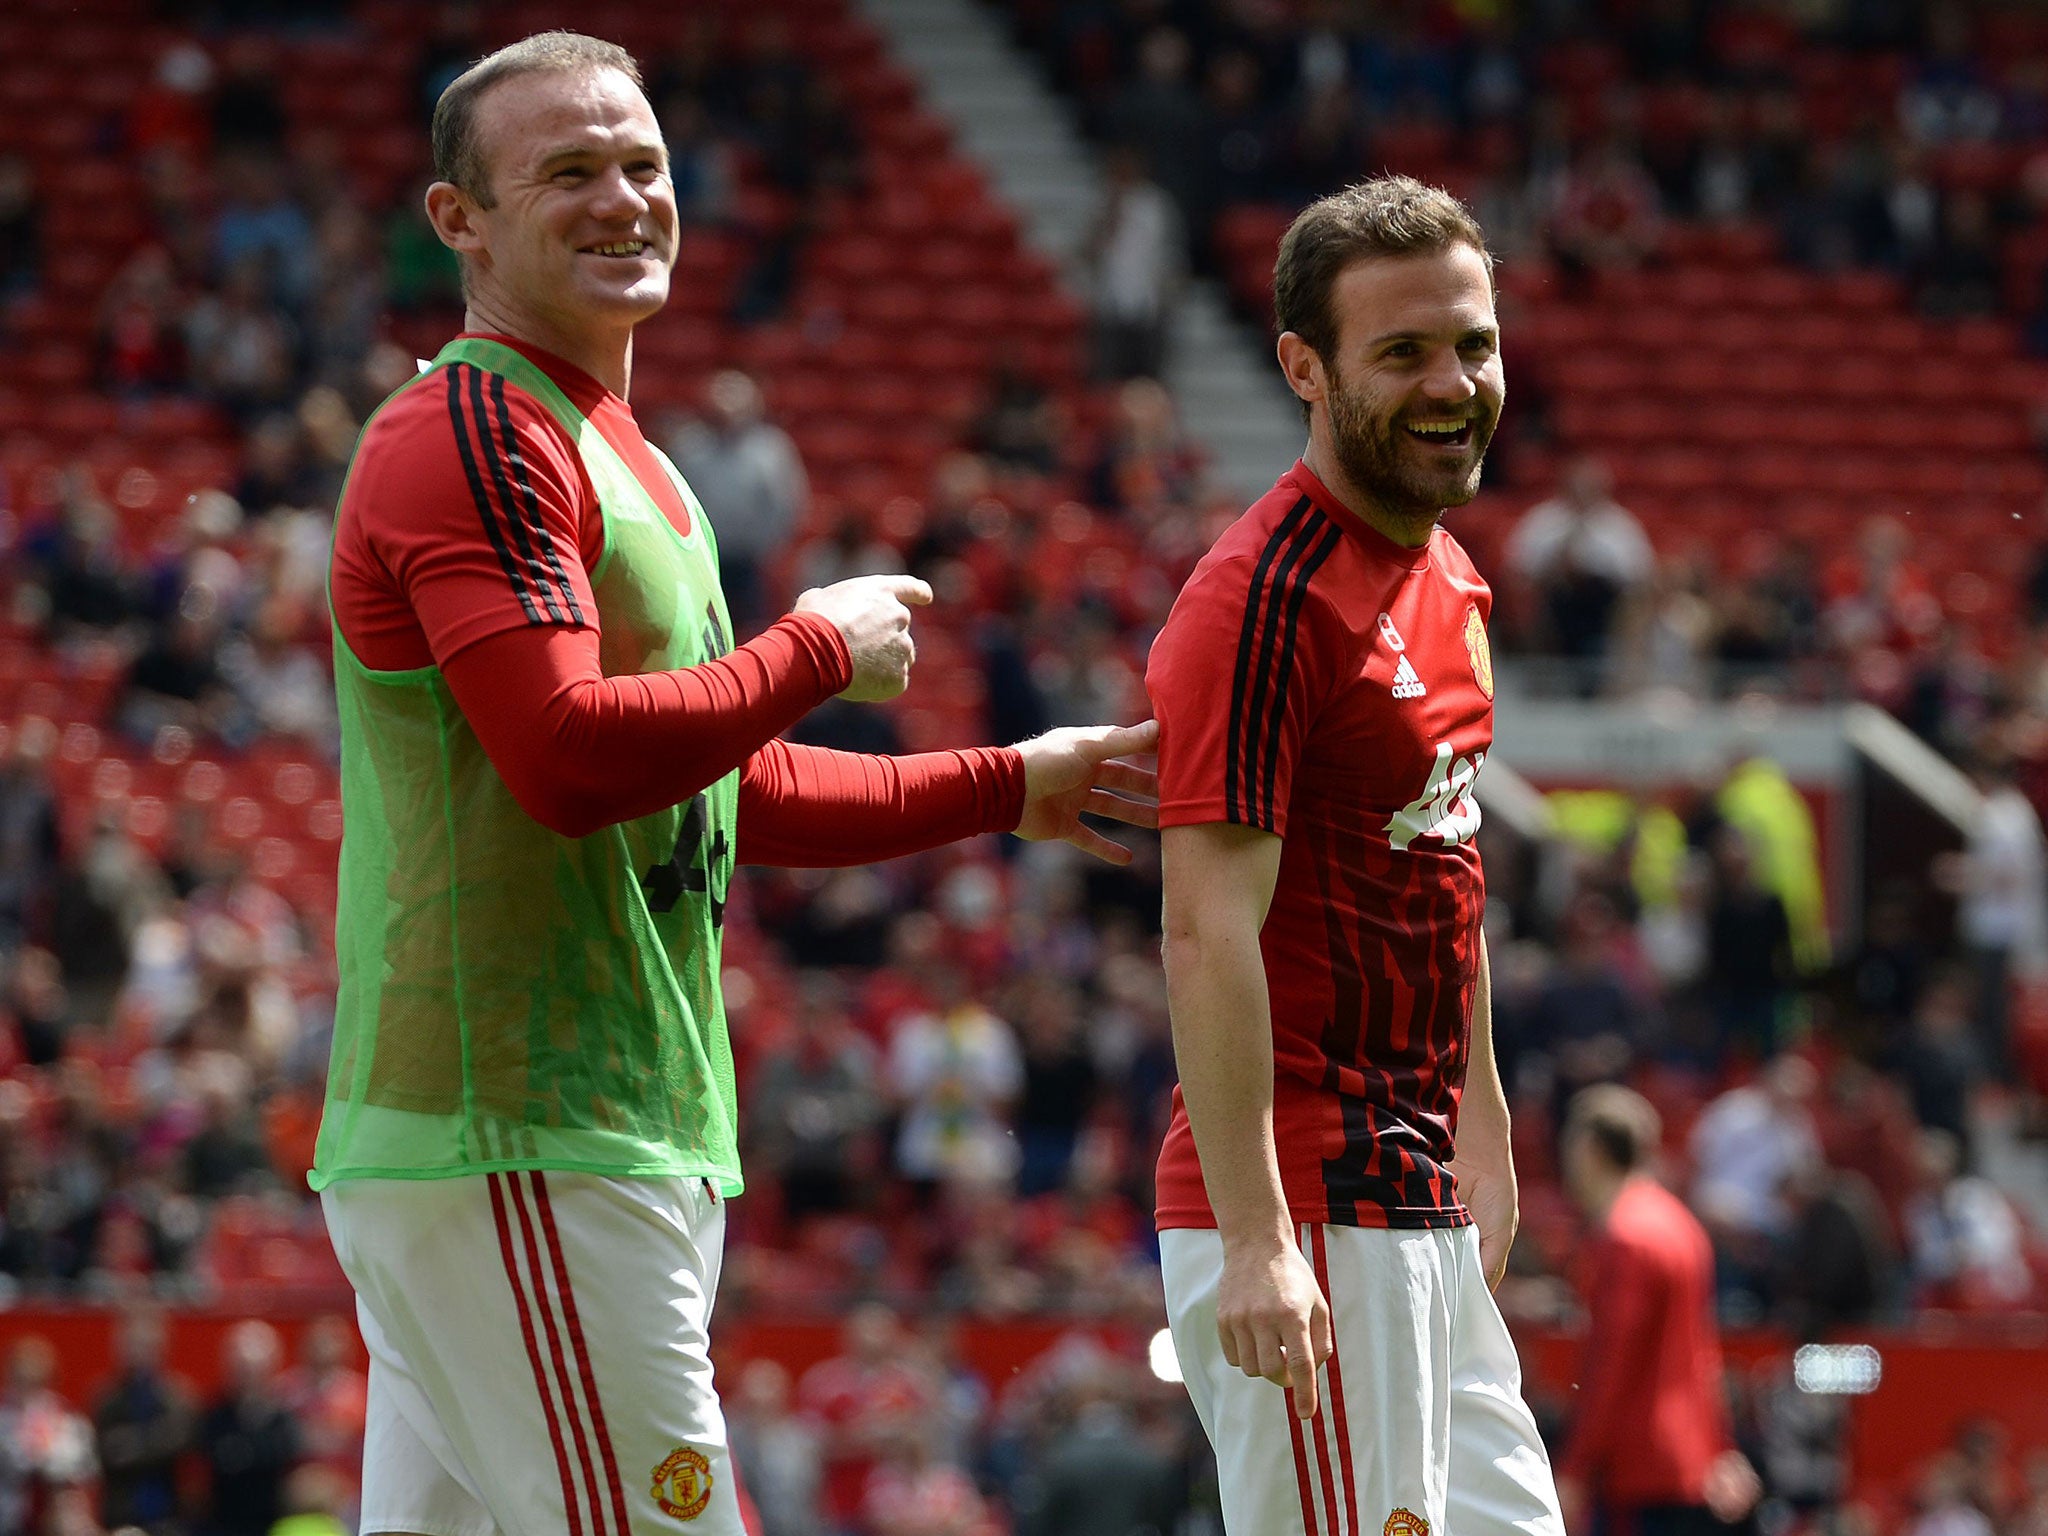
(1322, 1428)
(604, 1439)
(1308, 1498)
(547, 1317)
(540, 1376)
(1338, 1422)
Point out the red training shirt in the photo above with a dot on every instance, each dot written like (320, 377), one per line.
(1651, 1419)
(1325, 684)
(464, 540)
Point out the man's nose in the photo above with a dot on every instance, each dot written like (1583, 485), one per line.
(1449, 378)
(619, 194)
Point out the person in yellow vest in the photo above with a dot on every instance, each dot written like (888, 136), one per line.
(553, 758)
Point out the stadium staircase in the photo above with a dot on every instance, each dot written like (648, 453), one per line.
(1228, 392)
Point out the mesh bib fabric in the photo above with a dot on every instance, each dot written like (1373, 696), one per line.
(512, 998)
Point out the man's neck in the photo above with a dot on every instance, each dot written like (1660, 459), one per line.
(1600, 1204)
(607, 356)
(1410, 532)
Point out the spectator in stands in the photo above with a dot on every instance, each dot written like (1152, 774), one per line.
(248, 112)
(858, 1398)
(1749, 949)
(2001, 882)
(1136, 255)
(262, 228)
(248, 1438)
(139, 350)
(1145, 467)
(1941, 1507)
(954, 1070)
(1589, 1018)
(700, 162)
(1745, 1145)
(30, 849)
(145, 1424)
(779, 1453)
(1940, 1061)
(1059, 1083)
(1837, 1268)
(1586, 556)
(1161, 116)
(244, 352)
(177, 680)
(344, 306)
(1650, 1444)
(1100, 1476)
(913, 1491)
(750, 478)
(36, 1002)
(86, 589)
(1608, 213)
(329, 1397)
(1961, 274)
(45, 1445)
(169, 117)
(814, 1108)
(21, 228)
(1018, 425)
(279, 685)
(1965, 1245)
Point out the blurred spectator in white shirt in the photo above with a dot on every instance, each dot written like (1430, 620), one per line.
(748, 474)
(2001, 882)
(1584, 554)
(1137, 253)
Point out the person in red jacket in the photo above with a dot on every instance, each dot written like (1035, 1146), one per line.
(1650, 1444)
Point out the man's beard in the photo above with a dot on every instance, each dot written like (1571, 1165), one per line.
(1369, 449)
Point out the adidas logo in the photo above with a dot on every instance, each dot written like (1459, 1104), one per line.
(1406, 684)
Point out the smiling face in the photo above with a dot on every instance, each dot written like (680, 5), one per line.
(581, 230)
(1411, 396)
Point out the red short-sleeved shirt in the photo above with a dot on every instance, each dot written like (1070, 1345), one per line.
(462, 455)
(1324, 684)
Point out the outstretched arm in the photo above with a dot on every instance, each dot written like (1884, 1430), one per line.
(809, 807)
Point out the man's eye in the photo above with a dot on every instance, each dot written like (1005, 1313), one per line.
(571, 173)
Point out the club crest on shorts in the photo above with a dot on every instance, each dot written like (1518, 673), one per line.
(1405, 1522)
(1482, 660)
(682, 1484)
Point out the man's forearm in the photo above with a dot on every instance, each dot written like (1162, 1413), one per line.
(1483, 1109)
(1223, 1041)
(806, 807)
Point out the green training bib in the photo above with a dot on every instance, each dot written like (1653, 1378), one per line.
(512, 998)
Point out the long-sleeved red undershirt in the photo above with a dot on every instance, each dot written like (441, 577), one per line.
(422, 576)
(580, 750)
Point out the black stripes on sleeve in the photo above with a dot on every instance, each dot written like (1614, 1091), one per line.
(1300, 544)
(493, 463)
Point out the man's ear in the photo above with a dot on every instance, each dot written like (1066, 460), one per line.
(453, 215)
(1301, 365)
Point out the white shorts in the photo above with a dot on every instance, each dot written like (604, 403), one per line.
(539, 1354)
(1420, 1428)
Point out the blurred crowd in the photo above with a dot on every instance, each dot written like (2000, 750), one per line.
(1857, 132)
(956, 1068)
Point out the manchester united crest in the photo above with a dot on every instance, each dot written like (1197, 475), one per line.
(1405, 1522)
(682, 1484)
(1482, 668)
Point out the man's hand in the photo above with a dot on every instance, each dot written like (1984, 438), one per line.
(1274, 1320)
(872, 612)
(1069, 772)
(1486, 1183)
(1575, 1503)
(1733, 1488)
